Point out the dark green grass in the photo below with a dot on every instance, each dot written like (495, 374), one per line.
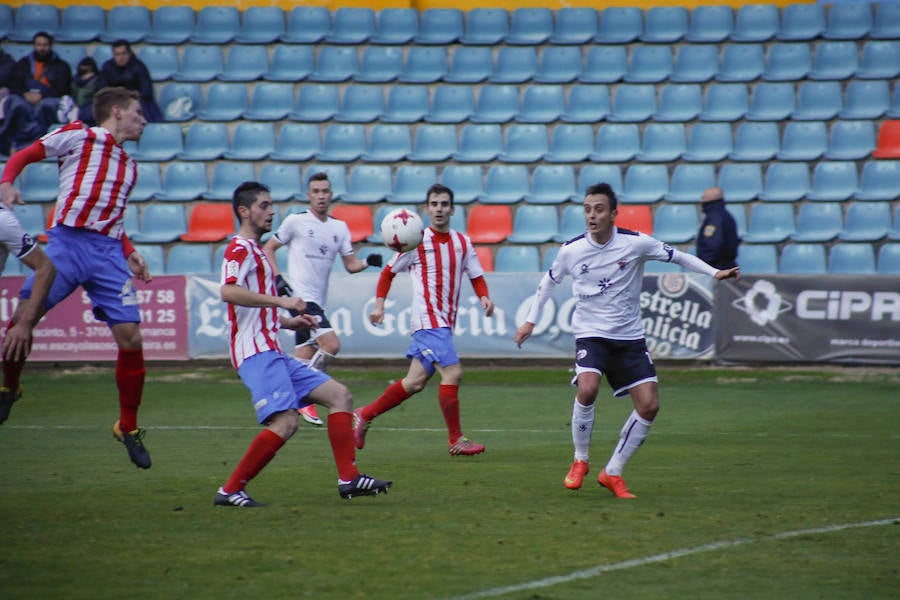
(734, 455)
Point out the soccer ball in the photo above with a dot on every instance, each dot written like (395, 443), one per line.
(402, 230)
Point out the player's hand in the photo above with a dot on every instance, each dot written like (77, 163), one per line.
(376, 317)
(374, 260)
(9, 195)
(488, 305)
(523, 333)
(283, 287)
(293, 304)
(17, 344)
(299, 321)
(138, 266)
(734, 272)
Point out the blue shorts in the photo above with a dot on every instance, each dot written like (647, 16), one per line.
(433, 346)
(278, 382)
(95, 262)
(626, 363)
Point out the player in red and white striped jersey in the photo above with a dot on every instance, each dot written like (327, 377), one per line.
(437, 267)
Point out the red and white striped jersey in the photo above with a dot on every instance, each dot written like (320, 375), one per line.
(95, 177)
(437, 266)
(253, 329)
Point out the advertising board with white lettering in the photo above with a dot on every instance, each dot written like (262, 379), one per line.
(844, 319)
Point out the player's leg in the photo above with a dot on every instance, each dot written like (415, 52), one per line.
(130, 375)
(305, 351)
(327, 347)
(589, 365)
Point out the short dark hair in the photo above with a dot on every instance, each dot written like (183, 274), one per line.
(122, 42)
(606, 190)
(42, 34)
(245, 195)
(105, 99)
(320, 176)
(438, 188)
(89, 62)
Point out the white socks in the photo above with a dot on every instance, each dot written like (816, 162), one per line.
(633, 434)
(582, 426)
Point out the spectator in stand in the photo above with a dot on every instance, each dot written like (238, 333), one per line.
(717, 241)
(7, 72)
(44, 80)
(87, 82)
(126, 70)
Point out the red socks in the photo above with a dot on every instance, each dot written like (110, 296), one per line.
(448, 396)
(340, 434)
(130, 380)
(262, 450)
(393, 396)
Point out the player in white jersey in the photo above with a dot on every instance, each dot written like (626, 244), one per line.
(88, 245)
(607, 265)
(314, 240)
(278, 384)
(437, 267)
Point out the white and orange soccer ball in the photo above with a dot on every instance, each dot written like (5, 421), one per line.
(402, 230)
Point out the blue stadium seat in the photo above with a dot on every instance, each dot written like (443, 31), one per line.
(380, 64)
(171, 25)
(696, 63)
(679, 102)
(803, 140)
(541, 104)
(710, 24)
(479, 143)
(388, 143)
(424, 64)
(633, 103)
(662, 142)
(755, 23)
(787, 62)
(71, 53)
(149, 182)
(880, 60)
(708, 142)
(496, 104)
(224, 102)
(894, 109)
(865, 99)
(405, 104)
(183, 181)
(270, 102)
(216, 25)
(451, 104)
(205, 141)
(226, 176)
(534, 224)
(886, 25)
(755, 142)
(771, 102)
(161, 61)
(470, 64)
(619, 25)
(755, 259)
(185, 259)
(307, 25)
(645, 184)
(251, 141)
(297, 142)
(160, 142)
(851, 140)
(291, 63)
(848, 21)
(552, 184)
(689, 182)
(131, 23)
(570, 144)
(360, 104)
(153, 256)
(741, 183)
(725, 102)
(517, 259)
(464, 180)
(549, 257)
(316, 103)
(200, 63)
(834, 60)
(395, 26)
(79, 23)
(785, 182)
(530, 26)
(675, 223)
(524, 143)
(6, 25)
(741, 63)
(485, 26)
(161, 223)
(336, 175)
(342, 143)
(889, 259)
(31, 18)
(664, 24)
(817, 101)
(433, 143)
(649, 64)
(368, 184)
(801, 22)
(283, 181)
(818, 222)
(31, 218)
(244, 63)
(574, 25)
(588, 175)
(571, 223)
(851, 259)
(833, 181)
(505, 184)
(866, 222)
(770, 223)
(351, 25)
(261, 25)
(616, 142)
(604, 64)
(514, 64)
(740, 217)
(586, 104)
(440, 26)
(411, 184)
(558, 64)
(802, 259)
(335, 64)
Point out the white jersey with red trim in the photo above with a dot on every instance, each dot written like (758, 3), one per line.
(13, 238)
(96, 176)
(437, 266)
(253, 329)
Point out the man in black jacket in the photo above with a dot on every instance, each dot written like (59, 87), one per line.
(126, 70)
(717, 242)
(42, 78)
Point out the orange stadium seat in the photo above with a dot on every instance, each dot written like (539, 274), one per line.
(888, 140)
(358, 219)
(210, 222)
(489, 224)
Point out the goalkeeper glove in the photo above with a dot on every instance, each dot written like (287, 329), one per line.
(374, 260)
(282, 286)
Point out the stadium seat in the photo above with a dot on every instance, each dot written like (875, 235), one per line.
(270, 102)
(755, 142)
(185, 259)
(803, 140)
(380, 64)
(489, 224)
(559, 64)
(619, 25)
(888, 140)
(226, 176)
(395, 26)
(740, 218)
(424, 64)
(636, 217)
(756, 259)
(496, 104)
(316, 103)
(439, 26)
(710, 24)
(216, 25)
(517, 259)
(851, 259)
(351, 25)
(524, 144)
(149, 182)
(31, 218)
(802, 259)
(307, 25)
(880, 60)
(770, 223)
(153, 256)
(180, 101)
(725, 102)
(31, 18)
(485, 27)
(451, 104)
(866, 222)
(865, 99)
(283, 181)
(741, 63)
(261, 25)
(405, 104)
(205, 141)
(368, 184)
(549, 257)
(6, 25)
(886, 25)
(71, 53)
(645, 184)
(183, 181)
(850, 140)
(675, 223)
(771, 102)
(787, 62)
(336, 175)
(479, 143)
(433, 143)
(570, 144)
(131, 23)
(224, 102)
(848, 21)
(755, 23)
(633, 103)
(679, 103)
(574, 25)
(360, 104)
(464, 180)
(291, 63)
(161, 61)
(689, 182)
(833, 181)
(741, 183)
(785, 182)
(589, 174)
(200, 64)
(411, 184)
(514, 64)
(171, 25)
(534, 224)
(662, 142)
(541, 104)
(244, 63)
(388, 143)
(552, 184)
(695, 63)
(834, 60)
(817, 101)
(604, 64)
(889, 259)
(708, 142)
(505, 184)
(358, 219)
(818, 222)
(801, 22)
(296, 142)
(335, 64)
(530, 26)
(469, 64)
(571, 223)
(616, 142)
(160, 142)
(79, 24)
(485, 258)
(649, 64)
(879, 180)
(161, 223)
(664, 24)
(343, 143)
(251, 141)
(209, 222)
(586, 104)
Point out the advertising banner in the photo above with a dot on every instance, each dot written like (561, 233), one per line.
(809, 319)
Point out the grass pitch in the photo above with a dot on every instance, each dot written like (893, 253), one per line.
(745, 486)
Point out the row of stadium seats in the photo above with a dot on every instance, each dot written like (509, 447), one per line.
(480, 26)
(781, 182)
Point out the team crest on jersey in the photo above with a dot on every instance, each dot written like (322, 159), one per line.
(231, 269)
(603, 284)
(584, 268)
(622, 264)
(310, 233)
(129, 294)
(323, 249)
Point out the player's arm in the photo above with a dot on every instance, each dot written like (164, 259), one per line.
(543, 293)
(136, 262)
(481, 290)
(17, 344)
(692, 263)
(233, 293)
(281, 284)
(354, 264)
(9, 195)
(376, 317)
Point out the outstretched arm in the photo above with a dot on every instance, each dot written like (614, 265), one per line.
(543, 293)
(9, 195)
(376, 317)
